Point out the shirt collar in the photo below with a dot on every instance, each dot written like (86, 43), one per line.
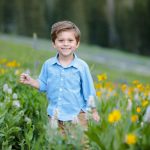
(73, 63)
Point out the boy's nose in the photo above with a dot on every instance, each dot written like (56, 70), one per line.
(65, 42)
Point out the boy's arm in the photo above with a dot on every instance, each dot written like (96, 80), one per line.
(26, 79)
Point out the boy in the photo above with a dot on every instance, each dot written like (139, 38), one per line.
(65, 78)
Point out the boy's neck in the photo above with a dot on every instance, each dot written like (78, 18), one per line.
(65, 61)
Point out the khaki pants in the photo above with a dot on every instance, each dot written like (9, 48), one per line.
(82, 120)
(67, 126)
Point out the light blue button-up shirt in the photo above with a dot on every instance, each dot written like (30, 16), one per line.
(68, 88)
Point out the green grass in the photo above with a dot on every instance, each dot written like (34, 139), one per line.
(33, 59)
(116, 75)
(24, 54)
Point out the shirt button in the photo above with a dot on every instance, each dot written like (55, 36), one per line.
(61, 79)
(59, 98)
(60, 89)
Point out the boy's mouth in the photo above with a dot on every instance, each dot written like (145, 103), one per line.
(65, 49)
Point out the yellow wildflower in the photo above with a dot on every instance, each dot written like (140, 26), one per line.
(145, 93)
(110, 89)
(147, 87)
(138, 109)
(140, 87)
(102, 77)
(114, 116)
(98, 93)
(108, 85)
(98, 86)
(130, 91)
(12, 64)
(134, 118)
(144, 103)
(131, 139)
(135, 82)
(124, 87)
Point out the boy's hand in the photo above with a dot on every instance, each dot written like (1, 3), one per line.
(95, 115)
(25, 78)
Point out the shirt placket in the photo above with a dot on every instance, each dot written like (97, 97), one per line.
(60, 95)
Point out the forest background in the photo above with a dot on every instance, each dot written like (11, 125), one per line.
(121, 24)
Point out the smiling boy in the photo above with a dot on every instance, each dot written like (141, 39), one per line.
(65, 78)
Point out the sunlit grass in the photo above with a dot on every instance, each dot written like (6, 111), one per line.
(117, 75)
(33, 59)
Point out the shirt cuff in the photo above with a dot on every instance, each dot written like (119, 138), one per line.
(42, 86)
(91, 102)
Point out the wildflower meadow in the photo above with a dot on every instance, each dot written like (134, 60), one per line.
(124, 109)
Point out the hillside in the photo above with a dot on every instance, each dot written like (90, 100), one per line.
(118, 65)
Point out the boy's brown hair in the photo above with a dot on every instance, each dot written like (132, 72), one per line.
(64, 26)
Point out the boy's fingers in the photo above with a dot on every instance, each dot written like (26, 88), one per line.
(24, 77)
(96, 117)
(21, 80)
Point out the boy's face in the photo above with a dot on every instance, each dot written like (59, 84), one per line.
(66, 43)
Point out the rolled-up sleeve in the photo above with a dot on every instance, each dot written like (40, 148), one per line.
(87, 86)
(43, 79)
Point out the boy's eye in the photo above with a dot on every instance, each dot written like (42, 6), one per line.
(70, 40)
(60, 40)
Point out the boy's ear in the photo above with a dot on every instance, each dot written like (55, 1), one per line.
(53, 44)
(78, 44)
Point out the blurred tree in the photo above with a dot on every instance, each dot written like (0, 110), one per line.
(31, 18)
(1, 15)
(7, 16)
(49, 9)
(142, 25)
(97, 22)
(124, 23)
(19, 17)
(113, 36)
(133, 24)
